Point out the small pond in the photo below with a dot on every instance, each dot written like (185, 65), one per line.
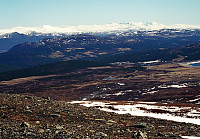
(110, 78)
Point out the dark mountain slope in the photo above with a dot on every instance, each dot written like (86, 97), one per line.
(90, 47)
(190, 52)
(53, 68)
(7, 41)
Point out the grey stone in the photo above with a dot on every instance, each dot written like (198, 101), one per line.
(139, 134)
(28, 111)
(59, 127)
(160, 134)
(30, 134)
(140, 125)
(55, 115)
(3, 107)
(101, 134)
(41, 131)
(47, 98)
(25, 124)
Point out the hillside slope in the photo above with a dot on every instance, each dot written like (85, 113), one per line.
(8, 40)
(92, 47)
(23, 116)
(188, 53)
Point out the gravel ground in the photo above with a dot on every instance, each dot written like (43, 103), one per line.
(23, 116)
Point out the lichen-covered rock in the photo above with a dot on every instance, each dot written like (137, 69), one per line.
(57, 119)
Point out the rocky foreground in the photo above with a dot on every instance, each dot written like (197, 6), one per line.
(24, 116)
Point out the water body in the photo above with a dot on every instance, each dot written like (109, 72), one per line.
(110, 78)
(195, 64)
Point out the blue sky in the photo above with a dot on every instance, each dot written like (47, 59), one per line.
(88, 12)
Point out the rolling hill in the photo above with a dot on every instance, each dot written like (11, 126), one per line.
(188, 53)
(93, 47)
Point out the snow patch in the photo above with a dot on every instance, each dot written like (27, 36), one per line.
(150, 62)
(190, 137)
(122, 84)
(144, 109)
(173, 86)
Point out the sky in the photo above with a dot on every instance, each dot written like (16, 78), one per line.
(32, 13)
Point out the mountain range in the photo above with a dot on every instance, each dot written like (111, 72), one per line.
(8, 40)
(17, 35)
(27, 47)
(108, 28)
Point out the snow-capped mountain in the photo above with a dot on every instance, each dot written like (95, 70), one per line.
(30, 46)
(108, 28)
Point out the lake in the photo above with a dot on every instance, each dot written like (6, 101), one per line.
(195, 64)
(110, 78)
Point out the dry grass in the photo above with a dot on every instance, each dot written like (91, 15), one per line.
(174, 72)
(180, 58)
(96, 68)
(24, 80)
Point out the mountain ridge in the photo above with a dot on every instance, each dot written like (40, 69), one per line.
(17, 35)
(91, 47)
(109, 28)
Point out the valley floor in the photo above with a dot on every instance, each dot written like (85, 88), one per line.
(167, 82)
(136, 103)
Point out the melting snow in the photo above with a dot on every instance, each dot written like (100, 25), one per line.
(173, 86)
(155, 89)
(195, 100)
(149, 62)
(117, 94)
(121, 84)
(137, 110)
(190, 137)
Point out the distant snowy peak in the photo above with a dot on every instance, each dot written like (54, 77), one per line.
(109, 28)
